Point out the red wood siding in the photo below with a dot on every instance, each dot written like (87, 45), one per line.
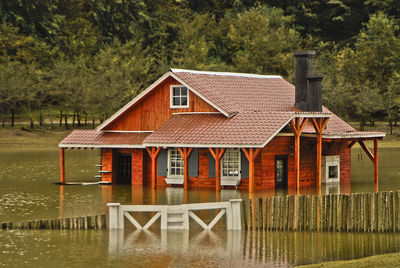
(153, 110)
(264, 164)
(106, 162)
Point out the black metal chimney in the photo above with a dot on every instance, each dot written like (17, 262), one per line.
(304, 67)
(314, 94)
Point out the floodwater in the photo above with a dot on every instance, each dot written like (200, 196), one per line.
(27, 192)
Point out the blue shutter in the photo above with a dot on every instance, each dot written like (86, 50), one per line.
(162, 163)
(211, 166)
(194, 163)
(244, 165)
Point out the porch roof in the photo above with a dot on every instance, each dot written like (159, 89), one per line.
(100, 139)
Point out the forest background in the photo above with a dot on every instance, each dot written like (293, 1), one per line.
(78, 61)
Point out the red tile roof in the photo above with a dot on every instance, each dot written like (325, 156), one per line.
(235, 93)
(245, 128)
(88, 138)
(259, 106)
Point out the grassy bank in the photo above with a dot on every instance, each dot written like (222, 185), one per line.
(385, 260)
(31, 138)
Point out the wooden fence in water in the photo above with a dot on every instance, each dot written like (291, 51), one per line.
(357, 212)
(74, 223)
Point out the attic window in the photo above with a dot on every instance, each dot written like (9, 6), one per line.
(179, 97)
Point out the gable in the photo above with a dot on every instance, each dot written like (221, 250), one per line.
(152, 110)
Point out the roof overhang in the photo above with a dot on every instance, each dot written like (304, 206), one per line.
(130, 146)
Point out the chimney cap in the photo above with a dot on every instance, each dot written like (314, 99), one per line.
(305, 54)
(315, 77)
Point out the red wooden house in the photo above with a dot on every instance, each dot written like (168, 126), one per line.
(213, 129)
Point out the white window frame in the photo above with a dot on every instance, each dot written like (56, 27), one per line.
(239, 163)
(171, 97)
(174, 176)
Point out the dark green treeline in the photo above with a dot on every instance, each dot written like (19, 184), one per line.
(81, 60)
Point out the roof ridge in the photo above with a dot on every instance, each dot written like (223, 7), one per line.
(249, 75)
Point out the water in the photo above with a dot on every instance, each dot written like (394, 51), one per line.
(27, 192)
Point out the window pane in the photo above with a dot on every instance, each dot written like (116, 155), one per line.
(183, 91)
(177, 101)
(176, 91)
(184, 101)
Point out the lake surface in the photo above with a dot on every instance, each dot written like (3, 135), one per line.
(27, 191)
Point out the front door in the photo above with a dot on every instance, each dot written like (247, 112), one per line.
(124, 168)
(281, 170)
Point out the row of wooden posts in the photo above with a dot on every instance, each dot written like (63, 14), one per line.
(357, 212)
(74, 223)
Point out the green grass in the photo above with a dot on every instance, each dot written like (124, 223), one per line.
(385, 260)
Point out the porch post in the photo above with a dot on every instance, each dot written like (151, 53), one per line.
(153, 153)
(62, 165)
(376, 161)
(217, 153)
(319, 126)
(373, 157)
(185, 153)
(251, 155)
(297, 128)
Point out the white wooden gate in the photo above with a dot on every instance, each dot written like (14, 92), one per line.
(176, 216)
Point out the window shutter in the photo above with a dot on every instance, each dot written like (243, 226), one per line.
(211, 165)
(162, 162)
(244, 165)
(194, 163)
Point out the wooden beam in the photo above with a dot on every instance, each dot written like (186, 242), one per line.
(351, 143)
(297, 128)
(376, 162)
(62, 166)
(153, 153)
(366, 150)
(217, 153)
(251, 155)
(319, 126)
(185, 153)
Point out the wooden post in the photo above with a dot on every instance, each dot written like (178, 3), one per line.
(62, 166)
(153, 153)
(373, 157)
(217, 153)
(319, 126)
(376, 161)
(297, 128)
(185, 153)
(251, 155)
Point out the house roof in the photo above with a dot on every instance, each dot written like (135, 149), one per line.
(253, 109)
(99, 139)
(215, 130)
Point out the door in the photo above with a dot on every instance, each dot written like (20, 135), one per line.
(124, 168)
(281, 170)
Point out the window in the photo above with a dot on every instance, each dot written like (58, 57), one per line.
(231, 163)
(179, 97)
(333, 172)
(175, 163)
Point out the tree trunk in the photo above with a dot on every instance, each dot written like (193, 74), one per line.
(73, 119)
(61, 118)
(31, 119)
(372, 123)
(51, 122)
(85, 119)
(41, 119)
(66, 120)
(391, 127)
(3, 122)
(362, 123)
(78, 118)
(93, 123)
(12, 117)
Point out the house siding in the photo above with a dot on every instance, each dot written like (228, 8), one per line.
(154, 109)
(264, 172)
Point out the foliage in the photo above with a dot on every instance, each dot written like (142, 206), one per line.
(85, 59)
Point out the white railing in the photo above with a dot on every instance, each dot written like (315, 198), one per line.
(176, 216)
